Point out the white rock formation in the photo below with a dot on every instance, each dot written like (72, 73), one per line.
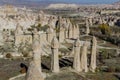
(93, 55)
(50, 34)
(34, 70)
(84, 63)
(62, 6)
(55, 55)
(77, 63)
(87, 27)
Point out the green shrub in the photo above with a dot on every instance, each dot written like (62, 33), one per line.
(111, 69)
(117, 68)
(105, 29)
(8, 55)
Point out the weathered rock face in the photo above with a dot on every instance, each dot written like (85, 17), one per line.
(19, 30)
(77, 31)
(37, 54)
(18, 33)
(20, 37)
(84, 58)
(62, 28)
(66, 28)
(100, 20)
(70, 31)
(34, 70)
(74, 32)
(52, 21)
(50, 34)
(61, 34)
(55, 55)
(87, 27)
(90, 21)
(76, 63)
(93, 55)
(5, 35)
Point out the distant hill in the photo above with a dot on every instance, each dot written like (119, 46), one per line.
(116, 3)
(26, 3)
(62, 6)
(41, 4)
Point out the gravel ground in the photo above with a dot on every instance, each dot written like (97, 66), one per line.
(10, 68)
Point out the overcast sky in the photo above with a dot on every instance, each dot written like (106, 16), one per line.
(83, 1)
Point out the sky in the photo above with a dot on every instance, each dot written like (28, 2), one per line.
(83, 1)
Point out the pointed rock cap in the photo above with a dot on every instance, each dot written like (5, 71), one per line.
(55, 43)
(19, 29)
(41, 12)
(68, 20)
(93, 39)
(70, 26)
(19, 26)
(77, 43)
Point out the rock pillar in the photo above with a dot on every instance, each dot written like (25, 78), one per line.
(93, 55)
(70, 31)
(84, 58)
(61, 35)
(55, 55)
(34, 70)
(87, 27)
(50, 34)
(76, 63)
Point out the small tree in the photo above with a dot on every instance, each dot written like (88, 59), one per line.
(105, 29)
(38, 27)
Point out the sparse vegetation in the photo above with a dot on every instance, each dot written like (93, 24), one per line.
(108, 34)
(105, 29)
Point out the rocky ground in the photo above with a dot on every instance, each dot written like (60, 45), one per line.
(11, 68)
